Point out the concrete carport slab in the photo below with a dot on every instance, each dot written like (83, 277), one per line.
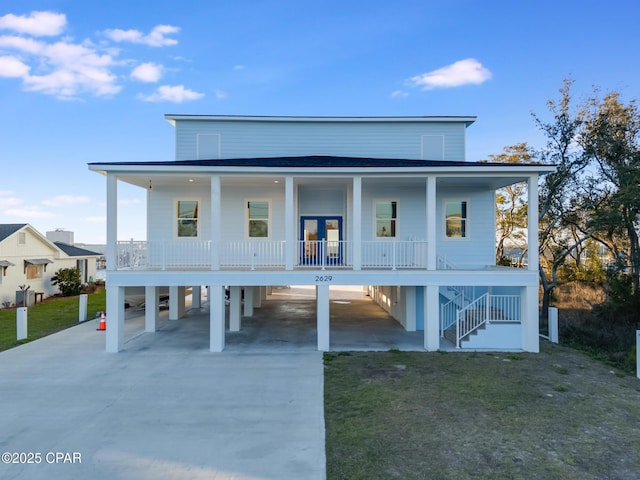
(287, 320)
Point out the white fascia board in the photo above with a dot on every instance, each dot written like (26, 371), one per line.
(439, 171)
(172, 118)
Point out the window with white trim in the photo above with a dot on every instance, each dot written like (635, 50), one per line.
(187, 218)
(455, 214)
(386, 218)
(258, 218)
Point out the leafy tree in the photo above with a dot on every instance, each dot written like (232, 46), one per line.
(562, 193)
(68, 281)
(511, 207)
(611, 138)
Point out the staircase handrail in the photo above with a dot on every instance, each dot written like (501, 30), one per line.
(466, 324)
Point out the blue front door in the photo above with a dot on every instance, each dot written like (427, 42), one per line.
(321, 240)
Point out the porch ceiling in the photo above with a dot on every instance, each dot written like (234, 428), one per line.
(450, 181)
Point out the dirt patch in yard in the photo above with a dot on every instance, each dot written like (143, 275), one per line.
(557, 414)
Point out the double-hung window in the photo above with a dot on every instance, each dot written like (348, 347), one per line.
(386, 218)
(258, 218)
(456, 219)
(187, 218)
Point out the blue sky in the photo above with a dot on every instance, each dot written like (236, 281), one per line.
(90, 81)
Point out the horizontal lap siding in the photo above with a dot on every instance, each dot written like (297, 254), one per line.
(358, 139)
(162, 211)
(411, 221)
(478, 249)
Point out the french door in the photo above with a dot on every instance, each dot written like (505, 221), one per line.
(321, 240)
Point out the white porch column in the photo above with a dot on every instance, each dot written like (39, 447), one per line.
(356, 234)
(431, 223)
(257, 298)
(216, 209)
(176, 302)
(263, 293)
(235, 295)
(115, 319)
(173, 303)
(196, 297)
(248, 301)
(431, 319)
(409, 308)
(530, 319)
(151, 308)
(216, 318)
(532, 223)
(112, 222)
(289, 225)
(322, 312)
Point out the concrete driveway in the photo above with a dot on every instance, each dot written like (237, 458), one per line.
(158, 410)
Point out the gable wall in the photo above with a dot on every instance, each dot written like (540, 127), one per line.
(15, 253)
(248, 139)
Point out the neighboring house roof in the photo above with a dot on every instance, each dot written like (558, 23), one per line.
(8, 229)
(74, 251)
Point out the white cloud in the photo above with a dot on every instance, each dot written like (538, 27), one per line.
(175, 94)
(28, 212)
(155, 38)
(462, 72)
(66, 200)
(4, 193)
(10, 201)
(68, 69)
(147, 72)
(238, 67)
(220, 94)
(96, 219)
(63, 69)
(38, 24)
(399, 94)
(12, 67)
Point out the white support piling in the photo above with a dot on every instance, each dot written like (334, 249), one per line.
(638, 353)
(553, 325)
(21, 323)
(82, 313)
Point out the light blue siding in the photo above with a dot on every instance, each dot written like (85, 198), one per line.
(411, 212)
(477, 250)
(248, 139)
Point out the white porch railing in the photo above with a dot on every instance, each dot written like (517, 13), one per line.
(486, 309)
(394, 254)
(269, 254)
(256, 254)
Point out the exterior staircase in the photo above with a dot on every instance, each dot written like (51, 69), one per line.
(494, 318)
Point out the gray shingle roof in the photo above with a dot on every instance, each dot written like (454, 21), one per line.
(74, 251)
(7, 229)
(311, 161)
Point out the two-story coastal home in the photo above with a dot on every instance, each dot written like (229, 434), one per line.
(386, 202)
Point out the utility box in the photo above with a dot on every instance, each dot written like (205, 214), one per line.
(29, 295)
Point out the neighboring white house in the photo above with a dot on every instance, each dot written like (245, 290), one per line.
(27, 258)
(386, 202)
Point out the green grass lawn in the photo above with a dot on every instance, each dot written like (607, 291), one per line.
(53, 315)
(409, 415)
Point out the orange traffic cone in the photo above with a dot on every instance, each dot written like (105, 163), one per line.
(103, 322)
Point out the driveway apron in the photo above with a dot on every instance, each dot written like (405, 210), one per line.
(72, 411)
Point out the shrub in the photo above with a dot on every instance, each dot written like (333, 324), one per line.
(68, 280)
